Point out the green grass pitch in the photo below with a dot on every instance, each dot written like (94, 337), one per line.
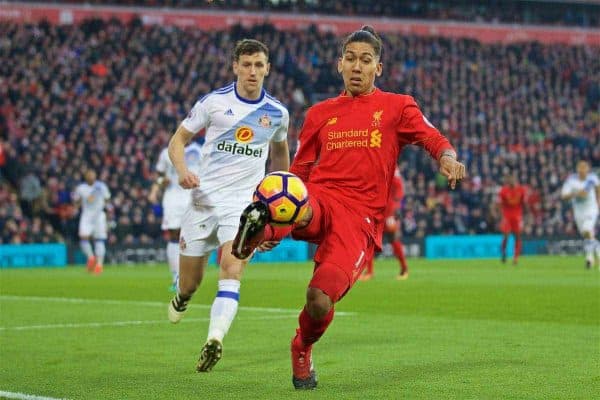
(472, 329)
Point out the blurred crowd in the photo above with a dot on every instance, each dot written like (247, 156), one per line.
(107, 96)
(574, 13)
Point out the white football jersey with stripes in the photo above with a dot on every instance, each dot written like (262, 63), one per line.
(192, 154)
(585, 205)
(93, 197)
(236, 147)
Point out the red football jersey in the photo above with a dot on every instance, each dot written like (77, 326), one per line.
(396, 195)
(349, 147)
(512, 199)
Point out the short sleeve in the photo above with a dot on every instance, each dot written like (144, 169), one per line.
(163, 163)
(77, 193)
(198, 117)
(566, 189)
(106, 191)
(282, 130)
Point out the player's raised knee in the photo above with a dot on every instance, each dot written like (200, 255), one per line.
(318, 303)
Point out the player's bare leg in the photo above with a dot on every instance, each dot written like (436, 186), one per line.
(597, 251)
(503, 247)
(399, 253)
(173, 257)
(86, 248)
(191, 271)
(368, 273)
(518, 244)
(100, 252)
(224, 307)
(588, 248)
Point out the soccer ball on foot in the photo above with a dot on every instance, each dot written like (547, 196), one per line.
(285, 195)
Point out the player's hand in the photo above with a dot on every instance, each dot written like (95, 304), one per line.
(582, 194)
(267, 245)
(453, 170)
(152, 197)
(90, 198)
(189, 180)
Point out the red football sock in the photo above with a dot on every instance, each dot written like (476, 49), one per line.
(276, 233)
(312, 329)
(518, 245)
(504, 240)
(399, 253)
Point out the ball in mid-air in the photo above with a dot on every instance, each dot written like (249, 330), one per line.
(285, 195)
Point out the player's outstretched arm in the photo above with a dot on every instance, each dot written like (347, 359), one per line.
(415, 129)
(179, 140)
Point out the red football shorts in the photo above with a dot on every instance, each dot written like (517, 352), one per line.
(511, 223)
(344, 240)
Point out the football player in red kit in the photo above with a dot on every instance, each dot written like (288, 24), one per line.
(512, 201)
(348, 149)
(392, 229)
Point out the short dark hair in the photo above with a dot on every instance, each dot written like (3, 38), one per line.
(248, 47)
(366, 34)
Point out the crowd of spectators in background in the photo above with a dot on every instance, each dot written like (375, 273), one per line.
(574, 13)
(107, 96)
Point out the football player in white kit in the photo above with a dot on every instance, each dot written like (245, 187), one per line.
(175, 200)
(244, 126)
(92, 195)
(583, 190)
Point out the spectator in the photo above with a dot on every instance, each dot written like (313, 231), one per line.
(530, 105)
(30, 194)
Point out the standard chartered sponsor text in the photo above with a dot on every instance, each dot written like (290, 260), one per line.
(360, 137)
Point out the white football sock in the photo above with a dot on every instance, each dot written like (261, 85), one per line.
(100, 249)
(588, 248)
(173, 259)
(86, 247)
(224, 308)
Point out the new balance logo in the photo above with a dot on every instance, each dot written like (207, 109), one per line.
(229, 112)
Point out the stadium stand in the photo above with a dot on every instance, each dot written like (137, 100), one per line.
(582, 13)
(107, 96)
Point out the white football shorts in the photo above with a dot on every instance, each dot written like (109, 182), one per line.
(586, 222)
(93, 225)
(206, 228)
(174, 204)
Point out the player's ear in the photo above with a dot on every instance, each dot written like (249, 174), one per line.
(235, 68)
(268, 69)
(379, 69)
(339, 65)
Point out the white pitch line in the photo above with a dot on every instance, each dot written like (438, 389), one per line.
(75, 300)
(23, 396)
(123, 323)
